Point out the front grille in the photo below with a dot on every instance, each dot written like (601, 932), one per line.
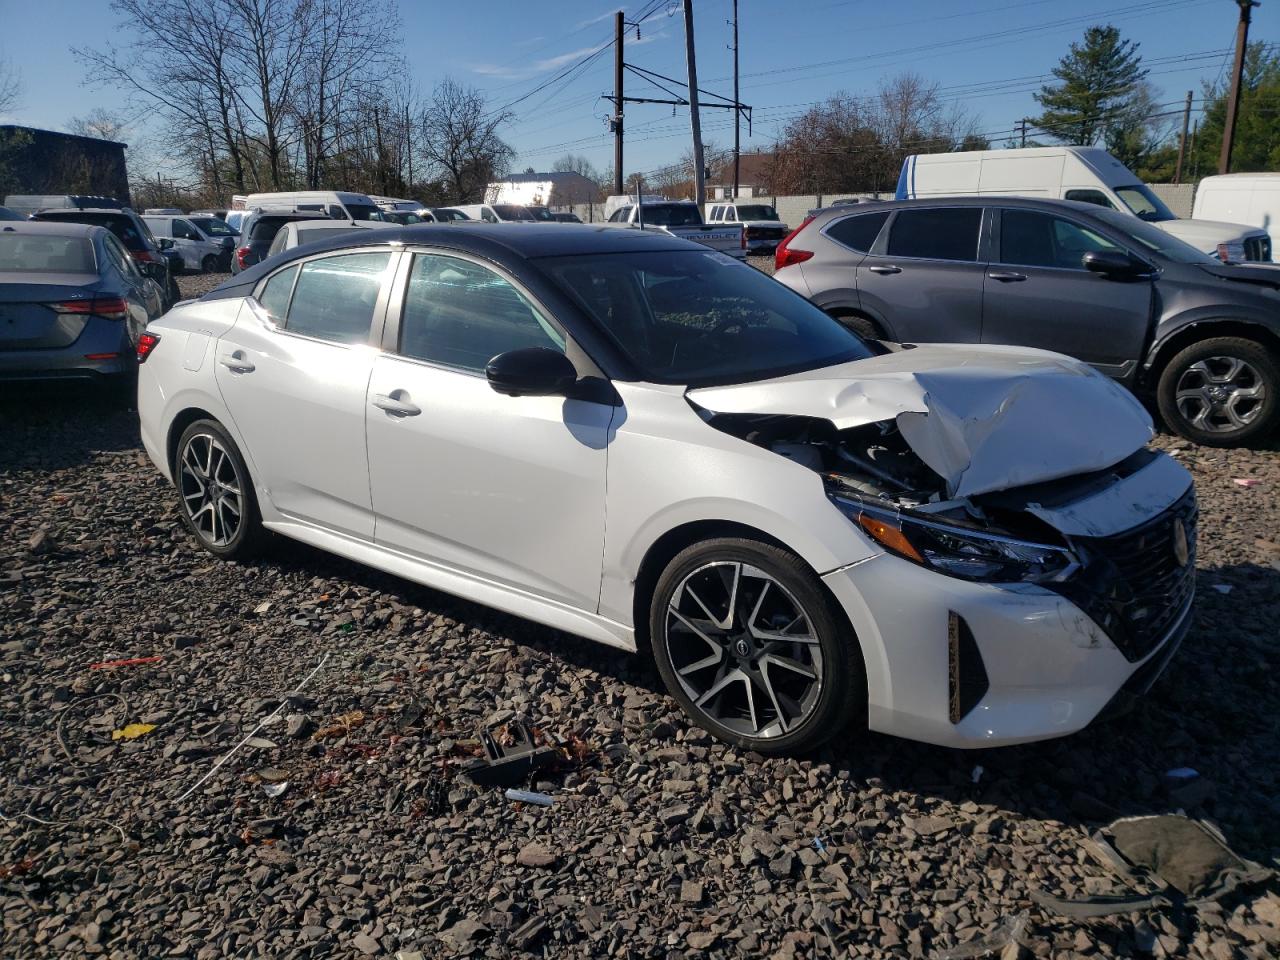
(1134, 585)
(1258, 249)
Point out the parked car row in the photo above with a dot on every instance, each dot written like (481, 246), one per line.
(1200, 336)
(806, 532)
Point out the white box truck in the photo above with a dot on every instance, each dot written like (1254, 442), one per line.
(1252, 198)
(1087, 174)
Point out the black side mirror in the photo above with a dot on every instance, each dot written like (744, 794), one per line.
(164, 242)
(1114, 263)
(531, 372)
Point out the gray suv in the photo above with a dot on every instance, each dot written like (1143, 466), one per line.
(1200, 336)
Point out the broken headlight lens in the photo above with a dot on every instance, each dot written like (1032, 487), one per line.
(960, 551)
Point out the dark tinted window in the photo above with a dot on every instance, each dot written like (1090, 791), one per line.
(697, 318)
(460, 314)
(363, 211)
(943, 234)
(672, 214)
(334, 297)
(858, 232)
(265, 229)
(1032, 239)
(757, 211)
(120, 224)
(33, 253)
(620, 215)
(1096, 197)
(213, 226)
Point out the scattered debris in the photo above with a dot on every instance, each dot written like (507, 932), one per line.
(528, 796)
(1008, 932)
(261, 743)
(132, 731)
(1246, 482)
(275, 789)
(341, 726)
(128, 662)
(510, 756)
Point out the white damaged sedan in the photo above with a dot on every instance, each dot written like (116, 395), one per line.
(630, 438)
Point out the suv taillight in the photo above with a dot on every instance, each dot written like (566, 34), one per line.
(241, 256)
(146, 256)
(785, 256)
(112, 308)
(146, 343)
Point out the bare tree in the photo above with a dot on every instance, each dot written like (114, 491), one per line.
(575, 163)
(99, 123)
(460, 137)
(10, 86)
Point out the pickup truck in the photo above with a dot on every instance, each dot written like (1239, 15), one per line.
(760, 223)
(682, 218)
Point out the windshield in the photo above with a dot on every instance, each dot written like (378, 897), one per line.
(1145, 204)
(510, 211)
(1155, 239)
(33, 253)
(541, 213)
(696, 318)
(213, 227)
(760, 211)
(671, 214)
(360, 211)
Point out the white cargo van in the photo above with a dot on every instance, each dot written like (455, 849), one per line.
(1252, 198)
(335, 204)
(1086, 174)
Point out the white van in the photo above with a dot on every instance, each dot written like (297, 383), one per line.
(335, 204)
(1086, 174)
(1252, 198)
(496, 212)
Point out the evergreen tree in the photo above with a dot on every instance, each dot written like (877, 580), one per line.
(1257, 145)
(1097, 78)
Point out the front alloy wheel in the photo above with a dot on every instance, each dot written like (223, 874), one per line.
(747, 641)
(215, 494)
(1221, 392)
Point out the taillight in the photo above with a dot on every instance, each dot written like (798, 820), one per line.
(785, 256)
(146, 343)
(146, 256)
(241, 256)
(112, 308)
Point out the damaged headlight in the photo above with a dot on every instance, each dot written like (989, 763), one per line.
(959, 551)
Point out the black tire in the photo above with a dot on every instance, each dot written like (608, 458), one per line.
(862, 326)
(827, 710)
(174, 293)
(209, 264)
(1239, 418)
(249, 533)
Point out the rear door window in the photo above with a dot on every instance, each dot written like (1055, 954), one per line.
(275, 293)
(334, 297)
(948, 233)
(858, 233)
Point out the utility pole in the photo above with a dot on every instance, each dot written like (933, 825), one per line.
(1233, 101)
(737, 111)
(699, 172)
(1023, 124)
(1182, 141)
(618, 178)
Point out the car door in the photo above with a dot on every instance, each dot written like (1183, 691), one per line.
(1038, 293)
(924, 278)
(294, 371)
(141, 293)
(506, 489)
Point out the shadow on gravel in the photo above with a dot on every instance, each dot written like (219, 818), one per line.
(1202, 713)
(52, 426)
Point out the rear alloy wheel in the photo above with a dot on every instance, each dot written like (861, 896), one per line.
(1221, 392)
(215, 494)
(749, 643)
(209, 264)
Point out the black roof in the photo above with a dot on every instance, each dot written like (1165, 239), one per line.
(493, 241)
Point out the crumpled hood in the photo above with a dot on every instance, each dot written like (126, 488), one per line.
(983, 418)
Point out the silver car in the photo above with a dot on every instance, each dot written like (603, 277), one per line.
(204, 244)
(73, 304)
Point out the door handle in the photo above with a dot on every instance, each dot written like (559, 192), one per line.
(395, 406)
(885, 270)
(237, 362)
(1005, 276)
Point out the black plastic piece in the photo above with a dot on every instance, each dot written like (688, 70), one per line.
(506, 766)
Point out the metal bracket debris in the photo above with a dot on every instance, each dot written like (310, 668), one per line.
(505, 765)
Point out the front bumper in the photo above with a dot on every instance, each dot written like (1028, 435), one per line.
(1051, 670)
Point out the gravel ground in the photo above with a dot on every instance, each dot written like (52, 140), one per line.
(660, 842)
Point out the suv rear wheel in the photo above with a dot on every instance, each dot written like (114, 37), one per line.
(751, 645)
(1221, 392)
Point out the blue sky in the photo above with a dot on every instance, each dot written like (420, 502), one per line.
(987, 55)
